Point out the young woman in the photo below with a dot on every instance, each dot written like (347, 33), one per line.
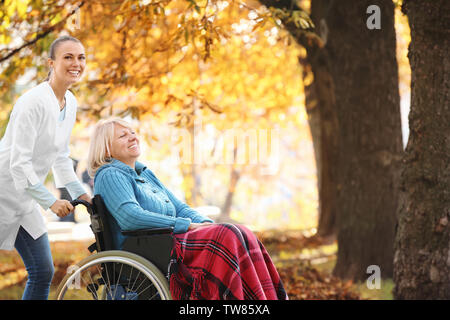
(215, 261)
(37, 140)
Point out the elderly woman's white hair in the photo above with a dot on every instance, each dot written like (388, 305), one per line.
(101, 139)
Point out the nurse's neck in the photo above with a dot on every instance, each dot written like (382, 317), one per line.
(59, 89)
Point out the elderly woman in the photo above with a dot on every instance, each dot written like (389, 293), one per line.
(215, 261)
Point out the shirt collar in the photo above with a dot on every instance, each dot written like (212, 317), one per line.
(139, 167)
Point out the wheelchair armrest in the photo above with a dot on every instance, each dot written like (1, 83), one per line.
(147, 232)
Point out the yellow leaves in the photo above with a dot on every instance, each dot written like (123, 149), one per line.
(298, 17)
(301, 19)
(403, 37)
(119, 22)
(151, 67)
(57, 18)
(21, 6)
(164, 80)
(5, 21)
(156, 32)
(4, 38)
(13, 6)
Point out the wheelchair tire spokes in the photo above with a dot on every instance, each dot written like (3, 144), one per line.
(111, 277)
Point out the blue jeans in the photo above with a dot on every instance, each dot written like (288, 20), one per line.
(38, 262)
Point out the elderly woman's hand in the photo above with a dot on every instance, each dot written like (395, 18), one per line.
(193, 226)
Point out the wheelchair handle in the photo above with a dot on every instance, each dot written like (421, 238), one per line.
(83, 202)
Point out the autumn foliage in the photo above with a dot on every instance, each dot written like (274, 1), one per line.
(178, 69)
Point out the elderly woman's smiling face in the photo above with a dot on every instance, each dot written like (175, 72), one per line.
(125, 145)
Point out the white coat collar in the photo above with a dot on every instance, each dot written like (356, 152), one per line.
(55, 108)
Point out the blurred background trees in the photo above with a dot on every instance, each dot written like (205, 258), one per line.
(285, 114)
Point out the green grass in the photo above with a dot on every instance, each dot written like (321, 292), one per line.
(384, 293)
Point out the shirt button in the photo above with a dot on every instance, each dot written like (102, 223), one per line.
(154, 191)
(167, 200)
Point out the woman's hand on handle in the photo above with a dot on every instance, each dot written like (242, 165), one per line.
(61, 208)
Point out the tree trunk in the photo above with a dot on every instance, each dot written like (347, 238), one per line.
(363, 67)
(226, 209)
(322, 113)
(234, 178)
(324, 95)
(422, 246)
(190, 173)
(323, 124)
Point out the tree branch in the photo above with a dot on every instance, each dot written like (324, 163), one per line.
(309, 39)
(40, 35)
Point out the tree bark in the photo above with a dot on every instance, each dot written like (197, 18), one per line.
(422, 246)
(322, 90)
(323, 124)
(364, 71)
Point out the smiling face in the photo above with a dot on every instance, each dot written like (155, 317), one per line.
(68, 62)
(125, 145)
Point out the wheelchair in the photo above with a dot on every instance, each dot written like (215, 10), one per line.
(139, 271)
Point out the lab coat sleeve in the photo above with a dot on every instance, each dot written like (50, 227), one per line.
(63, 171)
(42, 196)
(25, 129)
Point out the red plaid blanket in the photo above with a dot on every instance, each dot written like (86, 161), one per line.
(223, 262)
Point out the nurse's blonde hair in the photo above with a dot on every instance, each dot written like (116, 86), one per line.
(101, 139)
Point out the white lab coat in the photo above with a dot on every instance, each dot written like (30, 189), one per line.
(34, 142)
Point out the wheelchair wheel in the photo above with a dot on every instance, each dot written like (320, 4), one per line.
(114, 275)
